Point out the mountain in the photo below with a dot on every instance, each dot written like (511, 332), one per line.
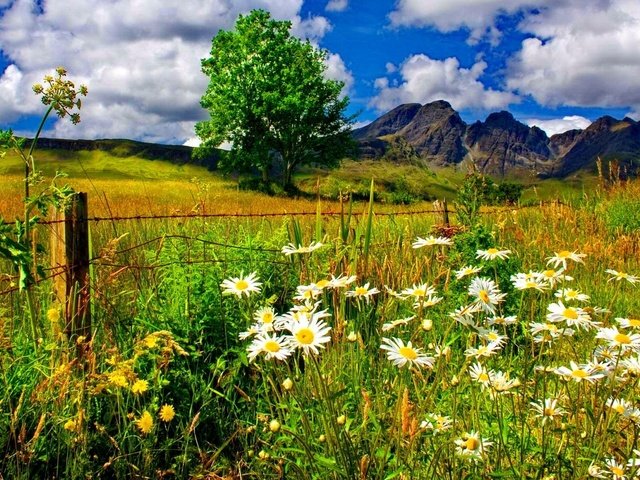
(500, 145)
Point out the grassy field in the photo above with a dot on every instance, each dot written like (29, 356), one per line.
(374, 346)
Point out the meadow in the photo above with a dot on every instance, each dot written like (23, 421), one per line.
(373, 343)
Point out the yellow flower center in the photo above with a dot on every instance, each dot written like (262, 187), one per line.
(564, 254)
(267, 317)
(242, 285)
(484, 296)
(551, 327)
(492, 336)
(579, 373)
(634, 322)
(549, 273)
(483, 377)
(531, 284)
(272, 346)
(492, 251)
(408, 353)
(622, 275)
(570, 313)
(418, 292)
(622, 338)
(472, 443)
(548, 412)
(617, 471)
(305, 336)
(619, 408)
(361, 291)
(322, 283)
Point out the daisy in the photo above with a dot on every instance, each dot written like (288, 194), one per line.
(619, 405)
(492, 254)
(560, 258)
(554, 276)
(618, 276)
(309, 335)
(618, 339)
(272, 347)
(419, 291)
(573, 316)
(617, 470)
(241, 285)
(437, 423)
(548, 409)
(430, 301)
(571, 294)
(431, 241)
(363, 292)
(464, 314)
(628, 322)
(264, 318)
(487, 294)
(634, 462)
(307, 292)
(480, 374)
(578, 373)
(632, 365)
(401, 354)
(471, 446)
(547, 332)
(393, 324)
(491, 336)
(290, 249)
(466, 271)
(500, 320)
(501, 383)
(341, 281)
(524, 281)
(482, 351)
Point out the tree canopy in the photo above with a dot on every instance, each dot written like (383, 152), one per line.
(268, 97)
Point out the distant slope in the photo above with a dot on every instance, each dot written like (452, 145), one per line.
(500, 145)
(122, 148)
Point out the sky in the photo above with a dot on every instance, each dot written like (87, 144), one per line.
(557, 64)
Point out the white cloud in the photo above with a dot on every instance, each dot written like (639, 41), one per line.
(584, 53)
(478, 16)
(337, 70)
(553, 126)
(425, 79)
(390, 67)
(140, 60)
(337, 5)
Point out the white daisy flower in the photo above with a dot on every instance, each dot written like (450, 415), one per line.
(270, 346)
(431, 241)
(401, 354)
(560, 258)
(309, 335)
(466, 271)
(618, 276)
(617, 470)
(363, 292)
(548, 409)
(464, 314)
(419, 291)
(552, 277)
(480, 374)
(618, 339)
(578, 373)
(341, 281)
(239, 286)
(483, 351)
(573, 316)
(492, 254)
(501, 320)
(571, 294)
(290, 249)
(524, 281)
(472, 446)
(437, 423)
(265, 318)
(306, 293)
(487, 294)
(628, 322)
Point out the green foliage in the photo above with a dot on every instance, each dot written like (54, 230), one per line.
(268, 97)
(478, 190)
(621, 213)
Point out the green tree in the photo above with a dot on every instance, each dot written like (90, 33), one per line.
(269, 98)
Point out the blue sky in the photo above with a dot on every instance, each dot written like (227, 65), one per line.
(558, 64)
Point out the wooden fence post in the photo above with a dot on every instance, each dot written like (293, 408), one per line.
(70, 252)
(445, 212)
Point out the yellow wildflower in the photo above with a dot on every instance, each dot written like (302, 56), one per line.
(139, 387)
(145, 422)
(167, 413)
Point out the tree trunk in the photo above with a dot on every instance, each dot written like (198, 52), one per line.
(265, 174)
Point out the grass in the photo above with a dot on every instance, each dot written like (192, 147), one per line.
(166, 388)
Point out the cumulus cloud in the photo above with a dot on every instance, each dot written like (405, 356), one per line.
(425, 79)
(450, 15)
(140, 60)
(553, 126)
(337, 5)
(337, 70)
(583, 53)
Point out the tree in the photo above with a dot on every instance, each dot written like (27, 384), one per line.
(269, 99)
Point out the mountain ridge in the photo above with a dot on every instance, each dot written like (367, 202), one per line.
(500, 145)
